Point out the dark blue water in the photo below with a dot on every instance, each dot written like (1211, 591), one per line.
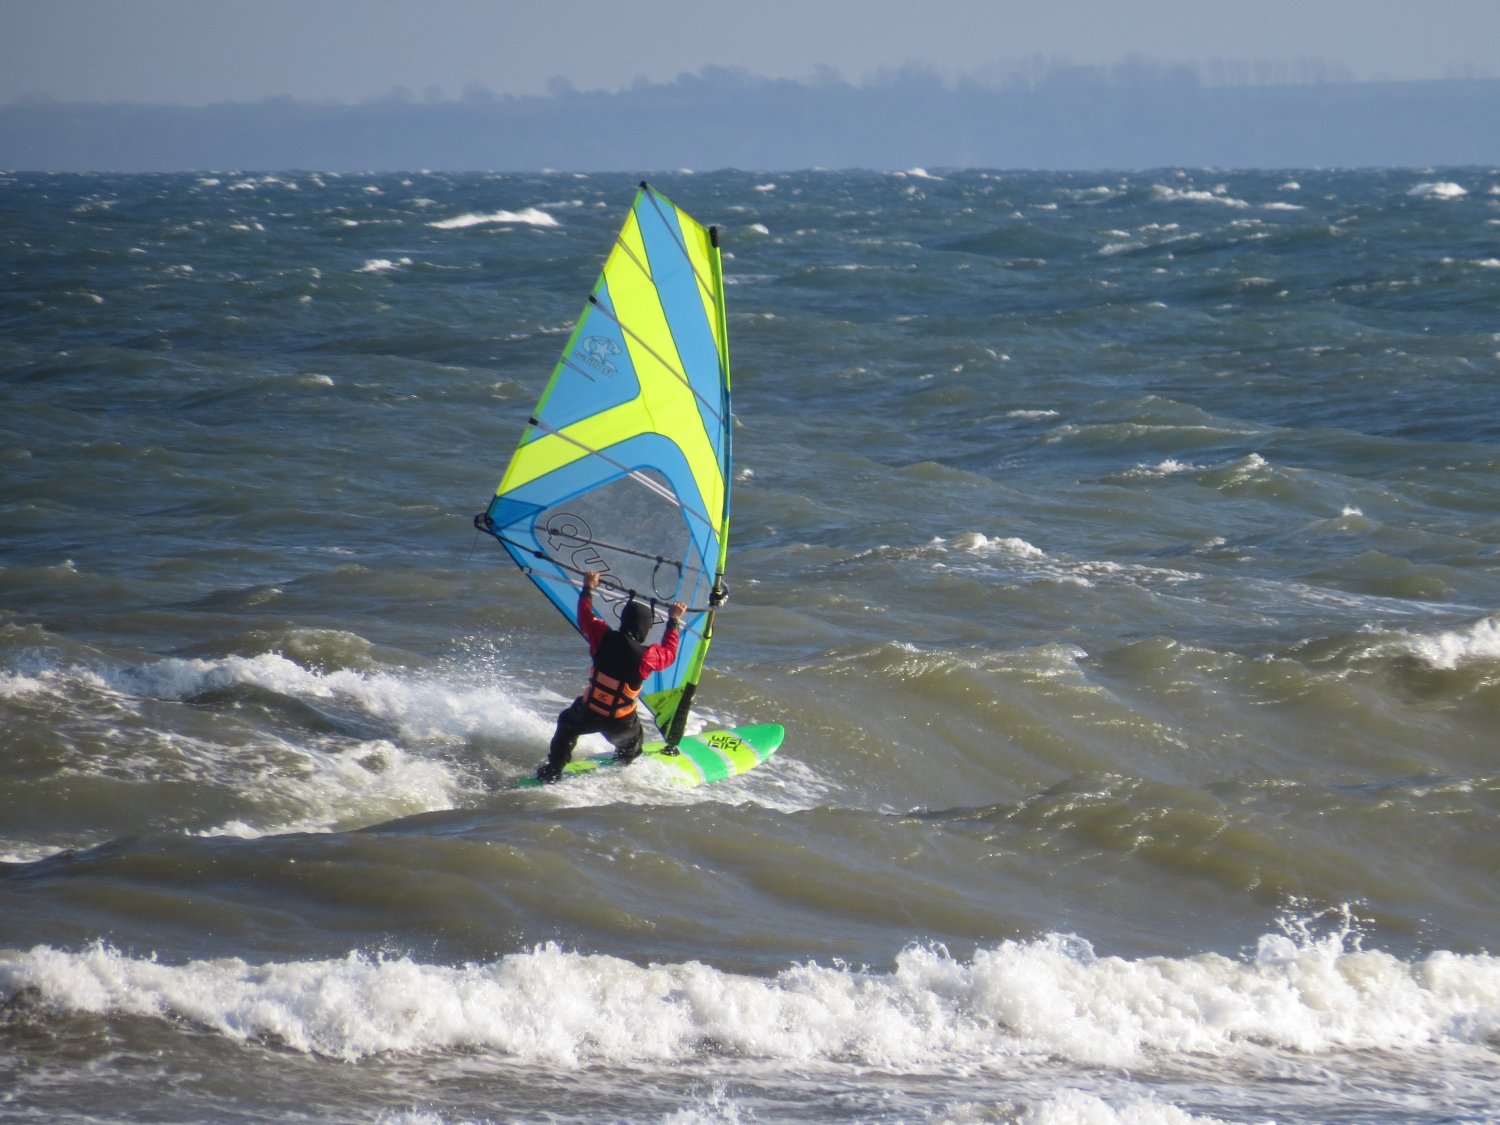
(1121, 553)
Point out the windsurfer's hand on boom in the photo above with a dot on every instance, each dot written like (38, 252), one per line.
(678, 612)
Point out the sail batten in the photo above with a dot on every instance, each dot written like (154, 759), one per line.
(624, 466)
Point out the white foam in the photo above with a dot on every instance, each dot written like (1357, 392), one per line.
(421, 707)
(1165, 468)
(382, 265)
(1074, 1107)
(1248, 467)
(530, 216)
(1164, 194)
(320, 781)
(1455, 648)
(19, 685)
(323, 781)
(1050, 998)
(1073, 572)
(1440, 189)
(977, 543)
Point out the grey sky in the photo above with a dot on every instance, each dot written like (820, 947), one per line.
(204, 51)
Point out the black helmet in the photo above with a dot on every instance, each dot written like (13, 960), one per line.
(636, 620)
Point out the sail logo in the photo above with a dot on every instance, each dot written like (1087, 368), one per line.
(569, 535)
(597, 352)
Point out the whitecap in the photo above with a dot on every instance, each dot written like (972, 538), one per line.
(1165, 468)
(1051, 997)
(1450, 649)
(530, 216)
(1076, 1107)
(1441, 189)
(976, 542)
(382, 265)
(1164, 194)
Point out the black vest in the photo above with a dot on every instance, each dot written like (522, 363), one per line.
(615, 679)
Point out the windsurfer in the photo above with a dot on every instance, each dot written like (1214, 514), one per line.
(622, 661)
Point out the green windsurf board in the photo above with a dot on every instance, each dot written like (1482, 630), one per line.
(700, 758)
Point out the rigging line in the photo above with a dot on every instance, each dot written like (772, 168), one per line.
(640, 478)
(568, 362)
(635, 474)
(684, 567)
(661, 359)
(608, 593)
(709, 290)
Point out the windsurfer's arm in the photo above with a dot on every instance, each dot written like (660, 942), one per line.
(590, 624)
(663, 655)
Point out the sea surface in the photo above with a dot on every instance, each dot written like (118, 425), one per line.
(1120, 551)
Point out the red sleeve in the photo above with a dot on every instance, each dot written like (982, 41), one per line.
(590, 624)
(661, 656)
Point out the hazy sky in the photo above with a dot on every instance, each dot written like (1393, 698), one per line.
(203, 51)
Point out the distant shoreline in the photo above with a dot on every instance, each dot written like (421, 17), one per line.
(752, 124)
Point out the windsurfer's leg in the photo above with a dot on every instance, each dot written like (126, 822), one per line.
(560, 752)
(627, 739)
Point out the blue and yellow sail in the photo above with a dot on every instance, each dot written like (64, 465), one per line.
(624, 467)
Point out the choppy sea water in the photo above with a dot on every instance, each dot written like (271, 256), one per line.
(1121, 553)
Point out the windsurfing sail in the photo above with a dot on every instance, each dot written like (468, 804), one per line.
(624, 467)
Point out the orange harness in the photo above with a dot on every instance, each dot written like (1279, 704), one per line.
(612, 698)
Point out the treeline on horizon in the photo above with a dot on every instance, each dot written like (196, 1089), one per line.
(1029, 74)
(1036, 73)
(1037, 113)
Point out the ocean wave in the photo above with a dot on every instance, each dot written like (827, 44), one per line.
(297, 748)
(528, 216)
(1450, 649)
(320, 736)
(1052, 997)
(382, 265)
(420, 707)
(1018, 560)
(1161, 193)
(1078, 1107)
(1437, 189)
